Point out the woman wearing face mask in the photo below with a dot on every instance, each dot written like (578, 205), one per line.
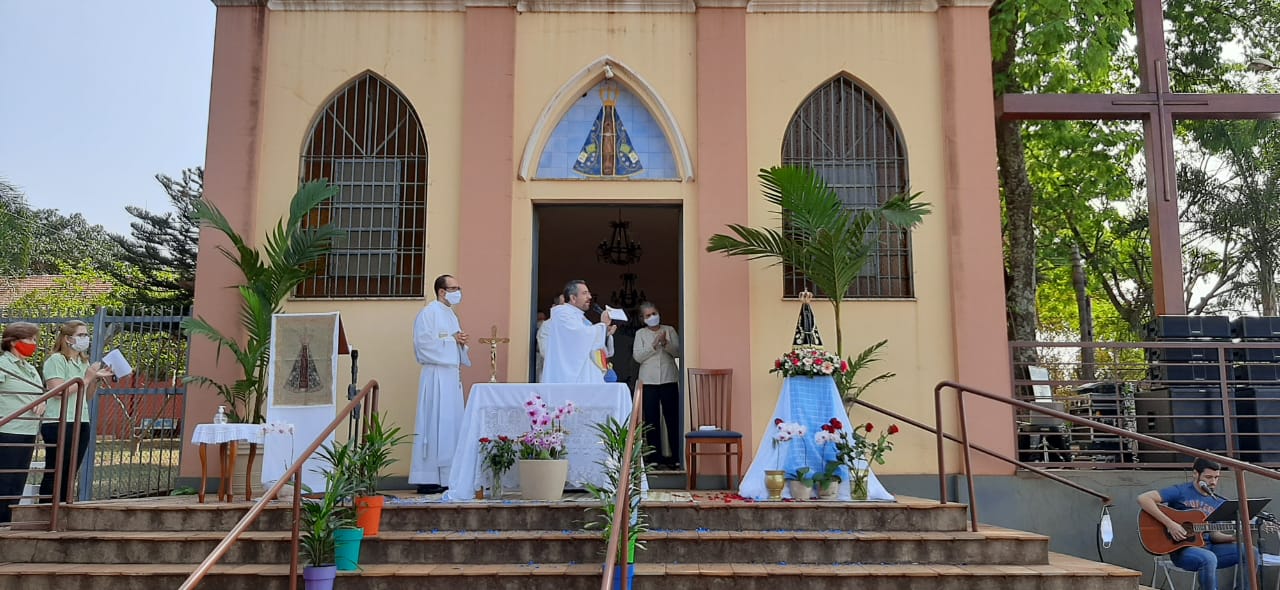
(68, 359)
(656, 348)
(19, 386)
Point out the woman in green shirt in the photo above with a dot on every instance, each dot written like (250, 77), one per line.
(68, 358)
(19, 386)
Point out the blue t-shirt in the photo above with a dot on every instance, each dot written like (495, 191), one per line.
(1184, 496)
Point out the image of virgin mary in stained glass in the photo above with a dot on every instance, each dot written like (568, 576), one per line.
(607, 150)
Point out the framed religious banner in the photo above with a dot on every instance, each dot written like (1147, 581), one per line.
(302, 389)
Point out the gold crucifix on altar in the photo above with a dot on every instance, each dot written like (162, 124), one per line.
(493, 341)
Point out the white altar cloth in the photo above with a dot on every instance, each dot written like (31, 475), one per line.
(811, 401)
(498, 408)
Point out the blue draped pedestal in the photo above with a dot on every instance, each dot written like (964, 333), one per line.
(811, 401)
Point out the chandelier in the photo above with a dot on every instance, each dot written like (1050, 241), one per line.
(627, 297)
(619, 249)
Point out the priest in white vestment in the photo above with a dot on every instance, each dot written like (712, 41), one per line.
(440, 346)
(572, 341)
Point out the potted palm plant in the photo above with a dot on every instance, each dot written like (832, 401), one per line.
(287, 258)
(613, 436)
(323, 516)
(370, 460)
(341, 483)
(825, 241)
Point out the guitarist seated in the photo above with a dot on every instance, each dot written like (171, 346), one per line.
(1220, 551)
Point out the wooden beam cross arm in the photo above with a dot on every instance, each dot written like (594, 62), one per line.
(1157, 108)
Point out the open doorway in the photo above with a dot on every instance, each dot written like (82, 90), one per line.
(566, 243)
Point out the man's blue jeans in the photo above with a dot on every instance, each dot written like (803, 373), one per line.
(1207, 561)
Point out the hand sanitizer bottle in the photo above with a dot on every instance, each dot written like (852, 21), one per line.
(221, 416)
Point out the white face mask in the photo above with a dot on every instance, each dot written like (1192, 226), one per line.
(80, 343)
(453, 297)
(652, 321)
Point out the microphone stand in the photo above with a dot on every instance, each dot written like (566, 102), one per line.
(1240, 578)
(353, 423)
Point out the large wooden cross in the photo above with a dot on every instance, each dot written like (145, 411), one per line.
(1157, 107)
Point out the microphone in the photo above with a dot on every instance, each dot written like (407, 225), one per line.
(1204, 486)
(596, 308)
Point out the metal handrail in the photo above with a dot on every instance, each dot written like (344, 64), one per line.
(1105, 499)
(621, 528)
(59, 392)
(1240, 467)
(294, 471)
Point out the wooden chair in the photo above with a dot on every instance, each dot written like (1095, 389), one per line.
(710, 404)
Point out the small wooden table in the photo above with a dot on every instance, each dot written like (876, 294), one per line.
(227, 436)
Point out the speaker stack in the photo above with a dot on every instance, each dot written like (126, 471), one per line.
(1258, 396)
(1187, 406)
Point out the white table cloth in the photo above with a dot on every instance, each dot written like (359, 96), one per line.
(495, 409)
(811, 401)
(216, 434)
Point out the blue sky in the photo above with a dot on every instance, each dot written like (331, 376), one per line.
(99, 96)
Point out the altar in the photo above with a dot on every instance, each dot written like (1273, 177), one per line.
(811, 402)
(495, 409)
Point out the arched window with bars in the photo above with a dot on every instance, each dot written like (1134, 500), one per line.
(369, 142)
(844, 133)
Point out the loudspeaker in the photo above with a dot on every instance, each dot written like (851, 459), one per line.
(1153, 410)
(1256, 327)
(1196, 414)
(1258, 420)
(1183, 355)
(1256, 355)
(1259, 375)
(1174, 375)
(1188, 327)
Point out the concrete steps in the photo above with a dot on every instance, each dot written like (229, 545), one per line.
(708, 540)
(988, 546)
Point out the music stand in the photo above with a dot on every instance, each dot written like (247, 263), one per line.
(1229, 509)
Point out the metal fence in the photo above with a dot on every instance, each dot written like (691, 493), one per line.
(137, 420)
(1216, 396)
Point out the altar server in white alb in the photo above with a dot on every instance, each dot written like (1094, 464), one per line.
(574, 352)
(440, 346)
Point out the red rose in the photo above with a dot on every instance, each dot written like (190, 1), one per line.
(777, 421)
(844, 366)
(795, 361)
(870, 427)
(777, 364)
(836, 424)
(893, 429)
(485, 440)
(504, 438)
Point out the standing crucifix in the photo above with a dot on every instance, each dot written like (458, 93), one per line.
(1157, 107)
(493, 341)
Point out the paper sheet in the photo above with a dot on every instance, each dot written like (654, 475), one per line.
(615, 314)
(118, 364)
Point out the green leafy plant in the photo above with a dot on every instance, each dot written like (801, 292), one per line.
(373, 454)
(498, 455)
(289, 256)
(331, 510)
(822, 239)
(613, 436)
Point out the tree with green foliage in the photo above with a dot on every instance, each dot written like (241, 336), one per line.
(1074, 186)
(159, 255)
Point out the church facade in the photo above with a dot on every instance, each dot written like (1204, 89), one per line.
(502, 141)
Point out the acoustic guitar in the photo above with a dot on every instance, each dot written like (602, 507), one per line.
(1155, 537)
